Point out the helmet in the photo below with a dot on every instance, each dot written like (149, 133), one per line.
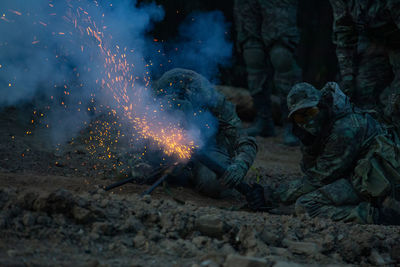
(302, 95)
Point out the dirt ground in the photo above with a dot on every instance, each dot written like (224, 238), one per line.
(54, 212)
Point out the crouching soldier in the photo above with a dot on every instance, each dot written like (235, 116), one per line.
(185, 92)
(351, 163)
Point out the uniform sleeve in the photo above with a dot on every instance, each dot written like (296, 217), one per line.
(344, 37)
(340, 151)
(245, 147)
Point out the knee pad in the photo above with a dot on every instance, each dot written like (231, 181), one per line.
(282, 59)
(254, 55)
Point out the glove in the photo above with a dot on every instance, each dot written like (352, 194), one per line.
(348, 85)
(234, 174)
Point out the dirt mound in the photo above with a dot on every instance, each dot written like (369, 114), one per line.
(45, 228)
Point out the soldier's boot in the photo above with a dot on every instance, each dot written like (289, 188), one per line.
(258, 82)
(287, 74)
(263, 124)
(389, 212)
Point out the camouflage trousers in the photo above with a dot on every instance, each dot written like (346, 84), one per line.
(268, 36)
(337, 201)
(269, 21)
(376, 177)
(378, 75)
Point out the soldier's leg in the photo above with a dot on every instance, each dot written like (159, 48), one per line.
(337, 201)
(392, 109)
(205, 180)
(373, 76)
(288, 193)
(287, 73)
(258, 82)
(248, 19)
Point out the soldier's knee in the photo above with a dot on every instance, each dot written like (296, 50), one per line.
(282, 59)
(254, 55)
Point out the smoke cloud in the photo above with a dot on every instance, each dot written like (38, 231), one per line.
(53, 52)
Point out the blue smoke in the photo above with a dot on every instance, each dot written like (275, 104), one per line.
(43, 56)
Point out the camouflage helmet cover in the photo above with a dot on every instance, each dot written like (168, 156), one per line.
(302, 95)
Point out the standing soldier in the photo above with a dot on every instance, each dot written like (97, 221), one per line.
(268, 37)
(367, 37)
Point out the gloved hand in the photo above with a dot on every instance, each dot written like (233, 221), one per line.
(234, 174)
(348, 85)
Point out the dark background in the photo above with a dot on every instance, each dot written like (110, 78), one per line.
(316, 53)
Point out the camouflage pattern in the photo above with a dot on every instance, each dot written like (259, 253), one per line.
(303, 95)
(367, 37)
(269, 21)
(231, 145)
(268, 36)
(349, 169)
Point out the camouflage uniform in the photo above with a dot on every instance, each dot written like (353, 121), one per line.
(367, 37)
(350, 168)
(268, 36)
(230, 145)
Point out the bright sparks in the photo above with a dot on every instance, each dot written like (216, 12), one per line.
(119, 79)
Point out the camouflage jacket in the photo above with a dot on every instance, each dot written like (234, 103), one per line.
(199, 91)
(345, 140)
(353, 18)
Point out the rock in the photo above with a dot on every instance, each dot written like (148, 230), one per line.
(139, 240)
(131, 225)
(92, 263)
(270, 237)
(104, 203)
(147, 199)
(283, 252)
(211, 225)
(200, 241)
(27, 200)
(287, 264)
(28, 219)
(81, 215)
(249, 240)
(60, 201)
(209, 263)
(12, 253)
(395, 253)
(307, 248)
(234, 260)
(102, 228)
(43, 220)
(40, 203)
(376, 258)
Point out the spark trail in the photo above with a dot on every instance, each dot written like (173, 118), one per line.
(148, 120)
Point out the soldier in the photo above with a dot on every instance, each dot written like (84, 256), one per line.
(367, 37)
(350, 162)
(268, 36)
(191, 93)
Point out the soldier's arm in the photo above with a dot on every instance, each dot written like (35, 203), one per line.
(394, 8)
(245, 146)
(345, 38)
(338, 156)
